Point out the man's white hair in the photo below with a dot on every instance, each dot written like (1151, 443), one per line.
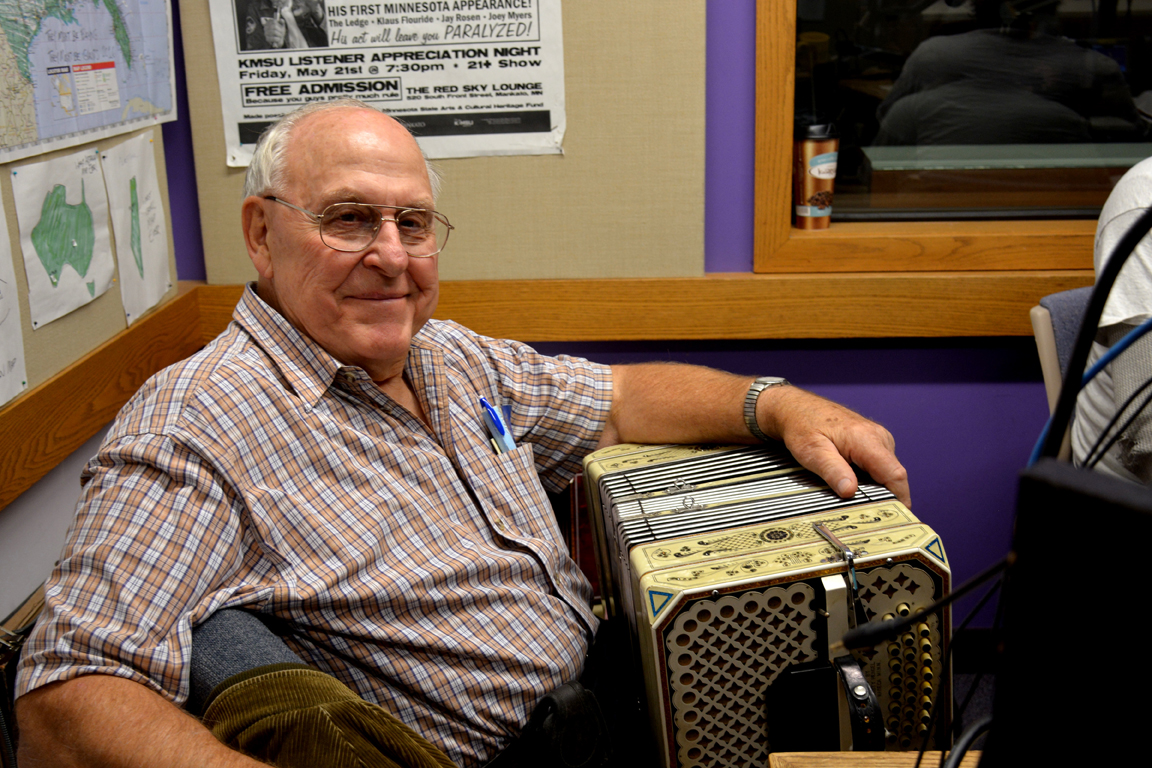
(266, 171)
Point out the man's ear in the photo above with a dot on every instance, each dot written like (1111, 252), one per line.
(255, 223)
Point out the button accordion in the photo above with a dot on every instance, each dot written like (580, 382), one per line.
(739, 571)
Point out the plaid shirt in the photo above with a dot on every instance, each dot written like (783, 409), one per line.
(427, 572)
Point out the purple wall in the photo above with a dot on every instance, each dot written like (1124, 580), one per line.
(965, 412)
(730, 135)
(178, 158)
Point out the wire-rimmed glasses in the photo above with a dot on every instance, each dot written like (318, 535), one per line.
(351, 227)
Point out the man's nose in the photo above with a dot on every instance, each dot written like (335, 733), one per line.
(386, 252)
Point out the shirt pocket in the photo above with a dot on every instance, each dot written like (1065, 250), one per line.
(515, 499)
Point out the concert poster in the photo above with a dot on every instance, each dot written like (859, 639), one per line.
(468, 77)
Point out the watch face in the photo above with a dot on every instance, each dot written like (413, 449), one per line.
(770, 381)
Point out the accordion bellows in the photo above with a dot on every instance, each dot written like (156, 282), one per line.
(713, 555)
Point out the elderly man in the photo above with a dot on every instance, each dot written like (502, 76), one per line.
(326, 461)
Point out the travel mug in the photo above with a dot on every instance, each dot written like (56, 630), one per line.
(813, 174)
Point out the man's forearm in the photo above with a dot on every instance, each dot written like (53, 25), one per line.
(673, 403)
(670, 403)
(100, 720)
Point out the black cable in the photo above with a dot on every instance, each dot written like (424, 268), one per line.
(1124, 427)
(946, 666)
(874, 632)
(965, 743)
(1091, 461)
(1006, 583)
(979, 675)
(1062, 415)
(6, 736)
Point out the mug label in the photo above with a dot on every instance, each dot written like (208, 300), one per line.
(823, 166)
(810, 211)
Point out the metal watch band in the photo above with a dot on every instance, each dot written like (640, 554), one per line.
(758, 386)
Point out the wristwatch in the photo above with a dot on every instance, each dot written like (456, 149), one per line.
(758, 386)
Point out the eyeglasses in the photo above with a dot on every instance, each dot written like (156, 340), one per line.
(353, 227)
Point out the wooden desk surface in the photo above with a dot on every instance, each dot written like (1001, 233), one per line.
(862, 760)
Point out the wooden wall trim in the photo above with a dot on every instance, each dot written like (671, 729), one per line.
(742, 306)
(216, 303)
(931, 246)
(43, 426)
(734, 306)
(775, 75)
(879, 246)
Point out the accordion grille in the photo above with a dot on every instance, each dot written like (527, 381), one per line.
(722, 654)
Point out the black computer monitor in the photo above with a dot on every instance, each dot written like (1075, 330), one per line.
(1071, 688)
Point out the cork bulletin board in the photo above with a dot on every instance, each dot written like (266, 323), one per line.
(626, 199)
(56, 345)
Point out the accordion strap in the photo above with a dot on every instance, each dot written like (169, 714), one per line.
(863, 706)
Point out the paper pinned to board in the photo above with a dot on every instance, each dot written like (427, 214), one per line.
(63, 216)
(13, 376)
(139, 224)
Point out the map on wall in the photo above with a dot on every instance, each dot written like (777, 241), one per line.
(138, 223)
(78, 70)
(62, 210)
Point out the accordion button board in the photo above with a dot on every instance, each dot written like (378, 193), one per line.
(713, 554)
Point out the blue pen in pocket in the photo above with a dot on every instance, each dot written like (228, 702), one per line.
(497, 428)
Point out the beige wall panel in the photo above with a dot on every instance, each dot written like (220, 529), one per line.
(53, 347)
(626, 199)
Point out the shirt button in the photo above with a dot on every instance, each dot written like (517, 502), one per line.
(499, 524)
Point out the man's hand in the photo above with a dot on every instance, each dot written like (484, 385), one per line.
(824, 437)
(275, 30)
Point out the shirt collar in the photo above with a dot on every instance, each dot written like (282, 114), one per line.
(305, 366)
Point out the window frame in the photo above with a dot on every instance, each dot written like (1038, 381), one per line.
(921, 246)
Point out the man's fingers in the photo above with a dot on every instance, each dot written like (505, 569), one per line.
(825, 437)
(820, 455)
(892, 475)
(870, 450)
(875, 454)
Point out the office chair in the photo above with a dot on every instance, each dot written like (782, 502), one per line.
(1055, 323)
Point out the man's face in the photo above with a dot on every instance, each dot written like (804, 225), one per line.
(362, 307)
